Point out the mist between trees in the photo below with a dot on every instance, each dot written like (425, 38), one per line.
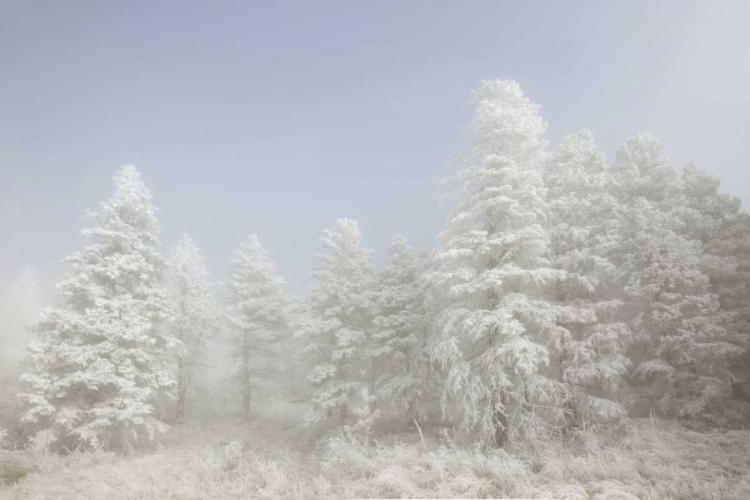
(564, 293)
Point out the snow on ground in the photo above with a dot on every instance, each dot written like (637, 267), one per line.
(273, 457)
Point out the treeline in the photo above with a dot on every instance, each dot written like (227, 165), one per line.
(563, 290)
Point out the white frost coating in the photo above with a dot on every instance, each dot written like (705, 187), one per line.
(592, 339)
(400, 333)
(197, 313)
(102, 354)
(337, 329)
(681, 333)
(496, 346)
(259, 315)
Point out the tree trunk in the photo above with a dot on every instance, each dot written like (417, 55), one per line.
(246, 390)
(525, 411)
(344, 414)
(181, 391)
(525, 405)
(373, 403)
(246, 404)
(343, 410)
(499, 397)
(411, 410)
(411, 416)
(571, 415)
(500, 419)
(569, 406)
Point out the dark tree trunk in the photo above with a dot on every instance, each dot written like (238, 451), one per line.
(500, 420)
(181, 391)
(246, 404)
(246, 390)
(411, 415)
(344, 414)
(499, 398)
(569, 406)
(525, 404)
(411, 410)
(373, 403)
(571, 415)
(343, 410)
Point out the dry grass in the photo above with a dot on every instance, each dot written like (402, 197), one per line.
(273, 458)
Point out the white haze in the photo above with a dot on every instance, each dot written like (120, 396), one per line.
(20, 304)
(230, 269)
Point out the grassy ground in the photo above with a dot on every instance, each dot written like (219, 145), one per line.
(273, 458)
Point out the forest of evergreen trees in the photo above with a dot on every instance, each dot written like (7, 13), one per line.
(564, 292)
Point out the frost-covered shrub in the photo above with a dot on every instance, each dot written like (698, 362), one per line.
(232, 455)
(41, 441)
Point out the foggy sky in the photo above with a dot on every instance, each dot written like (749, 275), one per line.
(277, 117)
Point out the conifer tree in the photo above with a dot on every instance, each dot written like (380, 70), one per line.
(715, 219)
(401, 360)
(583, 218)
(337, 329)
(197, 314)
(642, 170)
(681, 353)
(498, 326)
(102, 353)
(258, 315)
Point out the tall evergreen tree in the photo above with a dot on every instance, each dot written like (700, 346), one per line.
(103, 351)
(642, 170)
(681, 351)
(258, 313)
(715, 219)
(337, 328)
(197, 314)
(583, 218)
(400, 332)
(498, 326)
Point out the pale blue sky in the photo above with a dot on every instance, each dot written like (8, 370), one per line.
(278, 117)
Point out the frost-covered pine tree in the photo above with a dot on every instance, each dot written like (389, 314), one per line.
(735, 298)
(102, 353)
(715, 219)
(642, 170)
(337, 328)
(197, 314)
(681, 349)
(258, 315)
(583, 219)
(497, 326)
(399, 339)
